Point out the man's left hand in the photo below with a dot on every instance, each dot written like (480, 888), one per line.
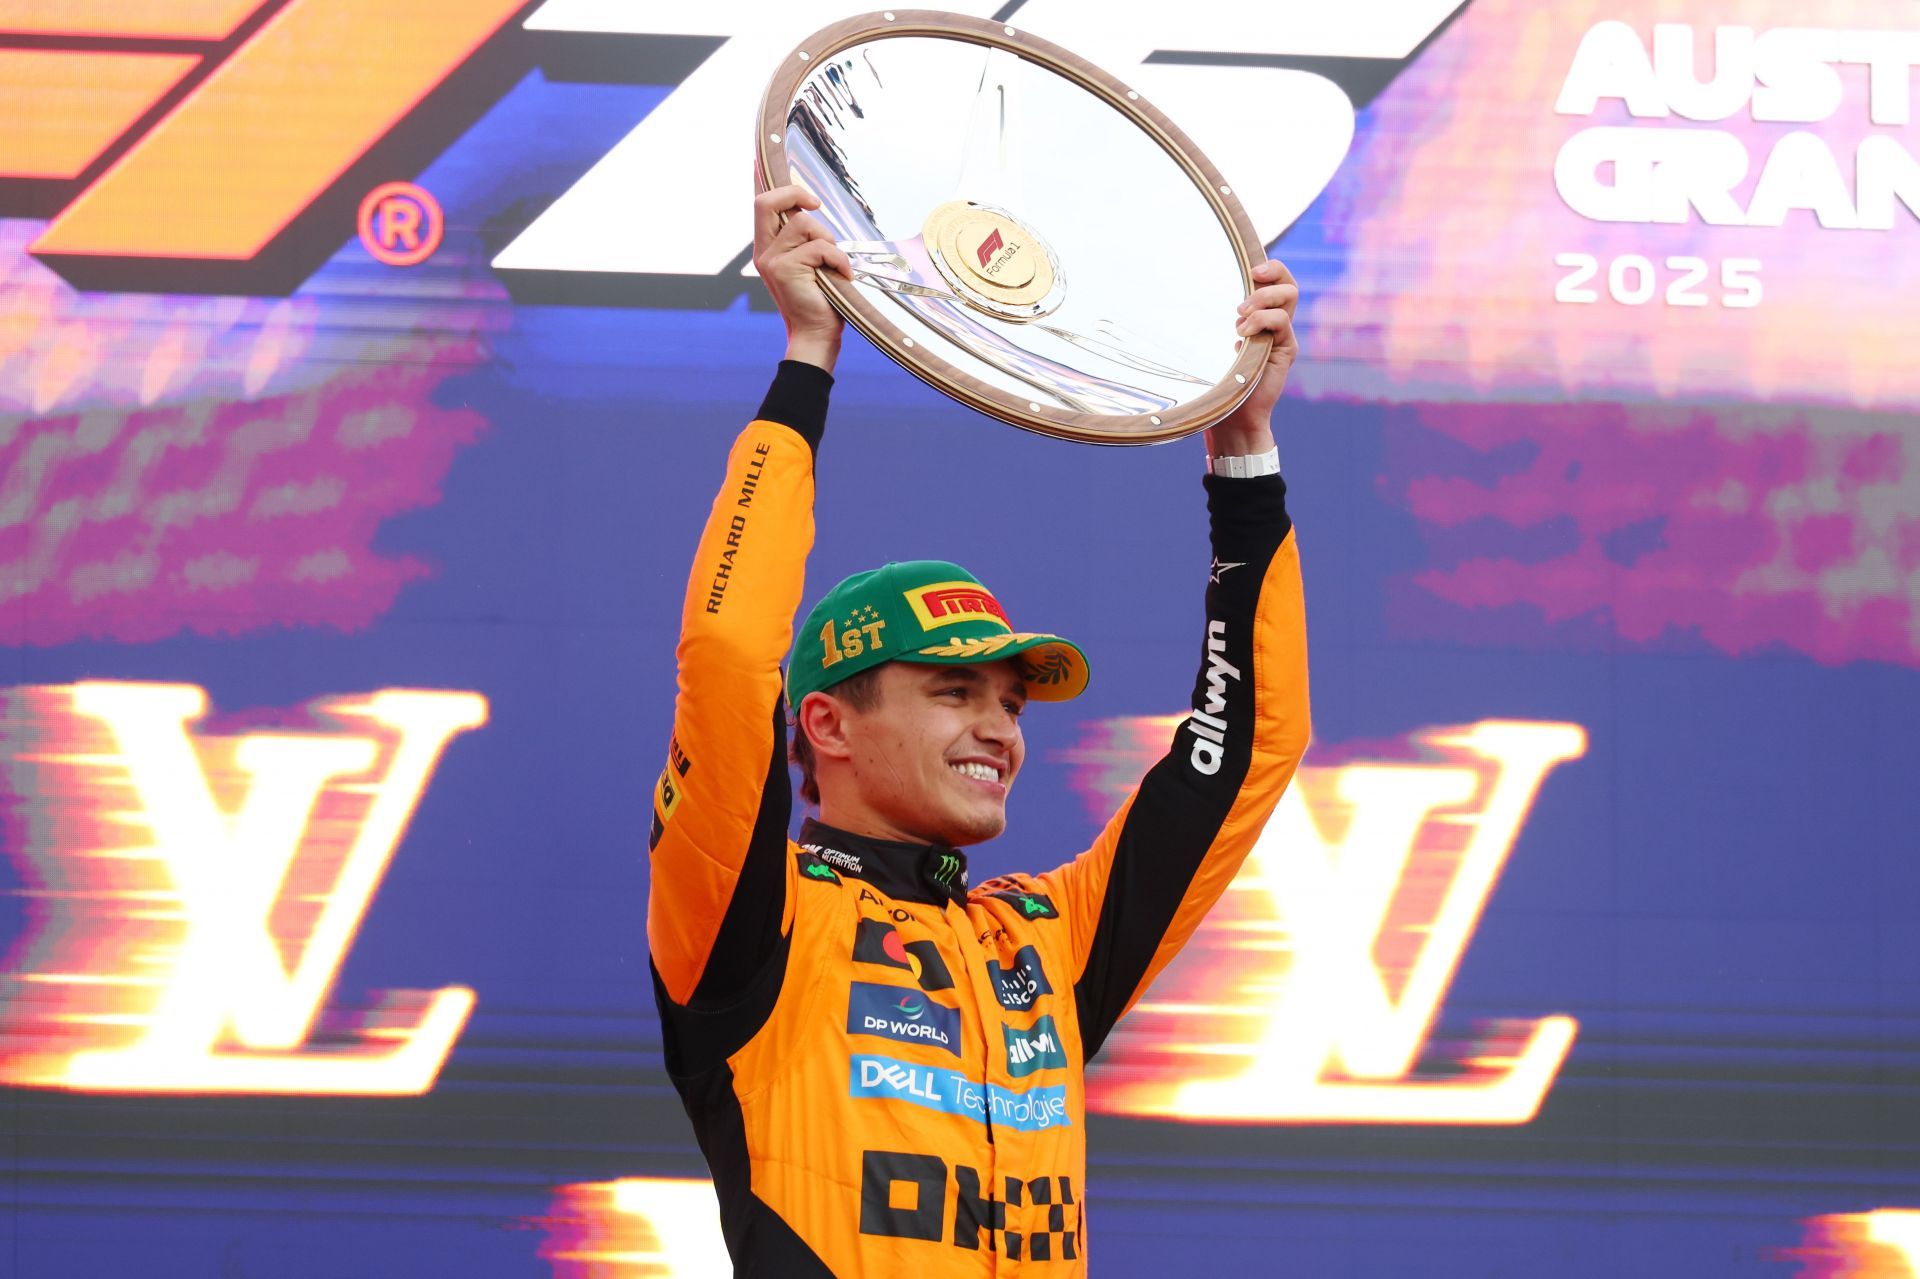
(1268, 309)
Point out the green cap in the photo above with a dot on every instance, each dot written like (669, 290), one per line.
(923, 611)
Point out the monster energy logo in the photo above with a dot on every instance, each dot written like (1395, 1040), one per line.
(948, 868)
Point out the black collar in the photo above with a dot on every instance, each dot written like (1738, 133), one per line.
(931, 873)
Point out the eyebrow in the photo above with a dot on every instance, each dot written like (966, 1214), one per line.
(971, 675)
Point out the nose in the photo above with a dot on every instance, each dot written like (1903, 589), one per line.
(998, 726)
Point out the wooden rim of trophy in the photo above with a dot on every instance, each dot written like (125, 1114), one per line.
(1204, 410)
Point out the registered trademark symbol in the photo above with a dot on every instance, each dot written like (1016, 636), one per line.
(401, 224)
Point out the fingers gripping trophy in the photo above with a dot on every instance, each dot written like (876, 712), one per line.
(884, 1061)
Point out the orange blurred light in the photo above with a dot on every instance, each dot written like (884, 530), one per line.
(1883, 1244)
(1312, 992)
(177, 19)
(63, 108)
(636, 1228)
(196, 894)
(272, 127)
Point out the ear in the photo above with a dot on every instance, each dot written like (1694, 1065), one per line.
(823, 719)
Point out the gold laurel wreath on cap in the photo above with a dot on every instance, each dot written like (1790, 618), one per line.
(981, 647)
(1050, 667)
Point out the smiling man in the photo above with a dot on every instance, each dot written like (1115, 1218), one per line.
(907, 685)
(885, 1066)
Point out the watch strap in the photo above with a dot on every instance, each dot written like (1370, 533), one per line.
(1244, 466)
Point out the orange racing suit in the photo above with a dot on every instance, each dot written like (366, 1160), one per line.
(884, 1068)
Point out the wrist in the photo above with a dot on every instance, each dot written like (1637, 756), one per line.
(1237, 439)
(819, 350)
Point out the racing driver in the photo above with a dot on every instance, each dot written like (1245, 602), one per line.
(884, 1065)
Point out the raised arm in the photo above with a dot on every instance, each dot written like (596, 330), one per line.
(1137, 895)
(718, 844)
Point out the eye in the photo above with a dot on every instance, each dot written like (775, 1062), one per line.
(1013, 708)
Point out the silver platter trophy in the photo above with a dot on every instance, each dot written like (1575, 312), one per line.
(1028, 234)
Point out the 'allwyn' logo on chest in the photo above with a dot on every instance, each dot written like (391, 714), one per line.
(1035, 1049)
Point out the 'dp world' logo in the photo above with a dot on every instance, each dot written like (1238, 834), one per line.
(232, 146)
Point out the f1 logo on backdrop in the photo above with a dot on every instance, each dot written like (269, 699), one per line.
(1308, 66)
(224, 145)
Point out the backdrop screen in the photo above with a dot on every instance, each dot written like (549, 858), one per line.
(366, 370)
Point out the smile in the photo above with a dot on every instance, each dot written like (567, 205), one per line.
(981, 772)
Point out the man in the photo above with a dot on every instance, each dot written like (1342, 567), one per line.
(885, 1069)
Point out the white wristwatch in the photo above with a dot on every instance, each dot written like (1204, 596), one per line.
(1243, 466)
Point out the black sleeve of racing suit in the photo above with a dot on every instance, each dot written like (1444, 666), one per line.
(1137, 895)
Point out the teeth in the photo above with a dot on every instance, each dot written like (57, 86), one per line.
(985, 772)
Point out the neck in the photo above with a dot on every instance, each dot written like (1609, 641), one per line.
(908, 869)
(857, 819)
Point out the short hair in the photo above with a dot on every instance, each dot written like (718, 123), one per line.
(861, 691)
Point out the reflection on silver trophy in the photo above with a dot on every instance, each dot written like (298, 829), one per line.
(1027, 234)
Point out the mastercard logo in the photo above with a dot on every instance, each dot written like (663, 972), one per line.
(897, 951)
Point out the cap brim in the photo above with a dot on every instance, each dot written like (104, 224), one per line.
(1054, 669)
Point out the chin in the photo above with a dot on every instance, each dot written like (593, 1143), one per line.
(958, 830)
(975, 829)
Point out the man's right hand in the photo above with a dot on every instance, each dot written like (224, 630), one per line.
(786, 258)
